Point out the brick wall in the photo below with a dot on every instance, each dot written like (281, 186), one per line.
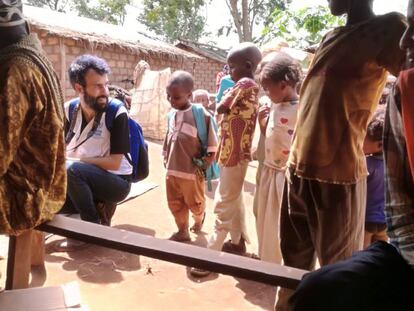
(61, 51)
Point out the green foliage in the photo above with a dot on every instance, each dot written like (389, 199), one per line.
(109, 11)
(247, 14)
(301, 28)
(174, 19)
(56, 5)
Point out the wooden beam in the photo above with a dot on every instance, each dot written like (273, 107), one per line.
(179, 253)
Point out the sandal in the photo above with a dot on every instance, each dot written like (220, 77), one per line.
(196, 272)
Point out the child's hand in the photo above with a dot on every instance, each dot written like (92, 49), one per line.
(263, 116)
(209, 158)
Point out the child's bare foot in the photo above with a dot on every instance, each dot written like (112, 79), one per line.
(196, 228)
(180, 236)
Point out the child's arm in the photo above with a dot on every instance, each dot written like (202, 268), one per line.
(263, 117)
(212, 141)
(229, 100)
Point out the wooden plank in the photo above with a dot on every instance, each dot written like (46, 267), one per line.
(179, 253)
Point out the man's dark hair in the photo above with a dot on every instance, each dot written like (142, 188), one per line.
(82, 64)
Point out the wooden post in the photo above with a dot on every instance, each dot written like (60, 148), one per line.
(63, 72)
(18, 261)
(25, 250)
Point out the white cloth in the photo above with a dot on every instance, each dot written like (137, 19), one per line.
(279, 133)
(229, 207)
(269, 197)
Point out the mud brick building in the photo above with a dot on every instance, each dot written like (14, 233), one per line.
(65, 37)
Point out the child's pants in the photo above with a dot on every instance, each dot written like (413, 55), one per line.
(184, 195)
(269, 197)
(229, 207)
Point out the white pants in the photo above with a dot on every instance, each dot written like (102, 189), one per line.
(229, 207)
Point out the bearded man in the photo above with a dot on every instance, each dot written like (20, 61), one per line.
(97, 167)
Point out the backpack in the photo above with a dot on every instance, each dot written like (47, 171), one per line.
(213, 171)
(138, 146)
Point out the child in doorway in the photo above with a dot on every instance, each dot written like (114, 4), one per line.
(279, 78)
(239, 109)
(375, 226)
(185, 180)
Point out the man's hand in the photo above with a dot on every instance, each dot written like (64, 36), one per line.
(111, 162)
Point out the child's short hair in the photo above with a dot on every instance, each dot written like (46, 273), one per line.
(375, 127)
(201, 93)
(183, 79)
(282, 67)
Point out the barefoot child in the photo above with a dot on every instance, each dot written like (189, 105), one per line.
(185, 181)
(239, 109)
(279, 78)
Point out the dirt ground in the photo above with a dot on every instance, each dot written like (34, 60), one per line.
(111, 280)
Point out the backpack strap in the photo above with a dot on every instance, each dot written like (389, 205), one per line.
(111, 111)
(72, 115)
(110, 114)
(200, 120)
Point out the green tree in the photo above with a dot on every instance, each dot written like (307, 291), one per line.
(109, 11)
(246, 14)
(175, 19)
(301, 28)
(56, 5)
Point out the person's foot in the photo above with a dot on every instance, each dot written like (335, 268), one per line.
(106, 211)
(196, 228)
(70, 245)
(237, 249)
(199, 273)
(180, 236)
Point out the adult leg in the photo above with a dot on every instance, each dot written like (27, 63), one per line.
(228, 205)
(295, 238)
(377, 278)
(337, 221)
(88, 184)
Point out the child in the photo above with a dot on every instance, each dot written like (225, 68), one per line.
(375, 226)
(184, 180)
(203, 97)
(279, 78)
(239, 109)
(258, 152)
